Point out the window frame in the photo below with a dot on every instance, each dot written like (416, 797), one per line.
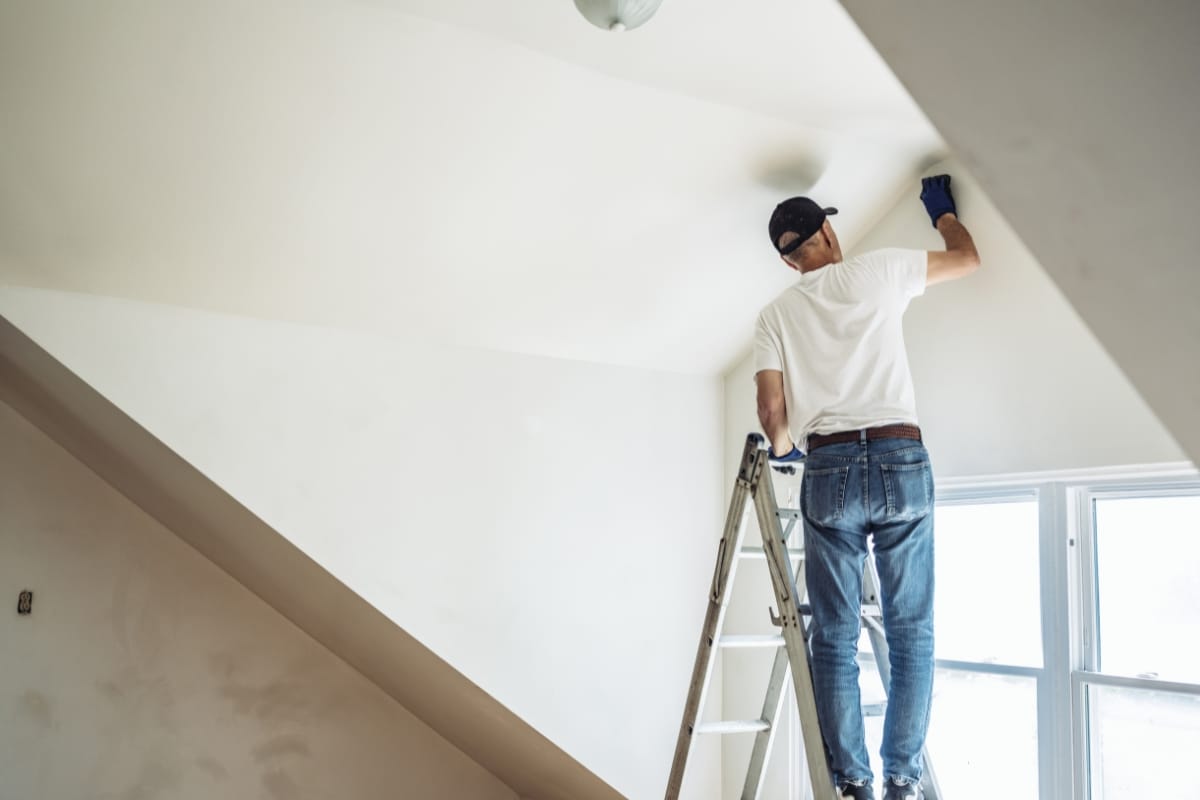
(1085, 670)
(1007, 490)
(1069, 602)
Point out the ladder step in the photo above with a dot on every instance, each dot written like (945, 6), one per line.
(788, 513)
(759, 553)
(867, 610)
(874, 709)
(751, 640)
(734, 726)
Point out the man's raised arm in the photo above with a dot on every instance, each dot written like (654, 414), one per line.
(960, 258)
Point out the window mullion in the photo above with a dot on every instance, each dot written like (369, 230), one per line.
(1054, 731)
(1086, 644)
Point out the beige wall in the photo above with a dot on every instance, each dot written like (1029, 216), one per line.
(145, 672)
(514, 514)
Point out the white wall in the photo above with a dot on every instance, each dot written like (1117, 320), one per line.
(146, 672)
(1008, 376)
(547, 527)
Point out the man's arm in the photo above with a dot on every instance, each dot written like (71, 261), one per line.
(960, 258)
(772, 410)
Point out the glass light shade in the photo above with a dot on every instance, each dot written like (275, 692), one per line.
(617, 15)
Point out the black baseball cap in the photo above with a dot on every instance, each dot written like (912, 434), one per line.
(798, 215)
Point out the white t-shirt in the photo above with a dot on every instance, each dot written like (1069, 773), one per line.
(837, 337)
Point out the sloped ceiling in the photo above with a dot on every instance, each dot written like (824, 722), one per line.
(493, 174)
(1080, 119)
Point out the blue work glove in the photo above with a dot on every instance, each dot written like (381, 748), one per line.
(935, 194)
(793, 456)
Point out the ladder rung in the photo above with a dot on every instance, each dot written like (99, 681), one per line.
(759, 553)
(751, 640)
(734, 726)
(872, 611)
(874, 709)
(788, 513)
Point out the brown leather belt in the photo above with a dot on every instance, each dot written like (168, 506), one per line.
(882, 432)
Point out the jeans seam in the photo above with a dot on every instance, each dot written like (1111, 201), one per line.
(866, 488)
(889, 493)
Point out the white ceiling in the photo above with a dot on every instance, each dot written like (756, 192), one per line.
(496, 174)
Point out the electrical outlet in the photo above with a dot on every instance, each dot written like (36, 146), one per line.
(25, 602)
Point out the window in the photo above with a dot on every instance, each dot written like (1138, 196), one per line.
(988, 649)
(1067, 615)
(987, 594)
(984, 726)
(1067, 618)
(1142, 743)
(1147, 589)
(988, 646)
(1138, 683)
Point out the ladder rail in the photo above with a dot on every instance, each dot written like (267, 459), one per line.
(756, 771)
(718, 602)
(772, 708)
(789, 588)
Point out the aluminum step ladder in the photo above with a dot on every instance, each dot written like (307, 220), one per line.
(792, 656)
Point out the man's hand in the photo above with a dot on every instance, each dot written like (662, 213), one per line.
(791, 457)
(935, 194)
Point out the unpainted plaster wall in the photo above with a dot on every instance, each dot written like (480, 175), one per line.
(146, 673)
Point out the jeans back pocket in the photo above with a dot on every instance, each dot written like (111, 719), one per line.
(908, 489)
(825, 494)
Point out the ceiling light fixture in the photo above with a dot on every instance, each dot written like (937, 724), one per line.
(617, 15)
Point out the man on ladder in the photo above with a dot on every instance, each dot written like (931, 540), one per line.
(831, 365)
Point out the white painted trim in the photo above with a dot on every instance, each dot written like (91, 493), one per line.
(967, 495)
(1088, 475)
(981, 668)
(1054, 698)
(1085, 678)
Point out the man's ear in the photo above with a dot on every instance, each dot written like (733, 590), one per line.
(827, 232)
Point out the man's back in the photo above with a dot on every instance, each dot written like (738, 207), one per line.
(836, 335)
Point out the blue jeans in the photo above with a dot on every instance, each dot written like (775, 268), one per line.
(881, 489)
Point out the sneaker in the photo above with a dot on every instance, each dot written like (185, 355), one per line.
(854, 790)
(902, 791)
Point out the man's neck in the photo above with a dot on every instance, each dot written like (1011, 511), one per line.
(822, 266)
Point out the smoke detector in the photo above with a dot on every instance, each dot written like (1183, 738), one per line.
(617, 15)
